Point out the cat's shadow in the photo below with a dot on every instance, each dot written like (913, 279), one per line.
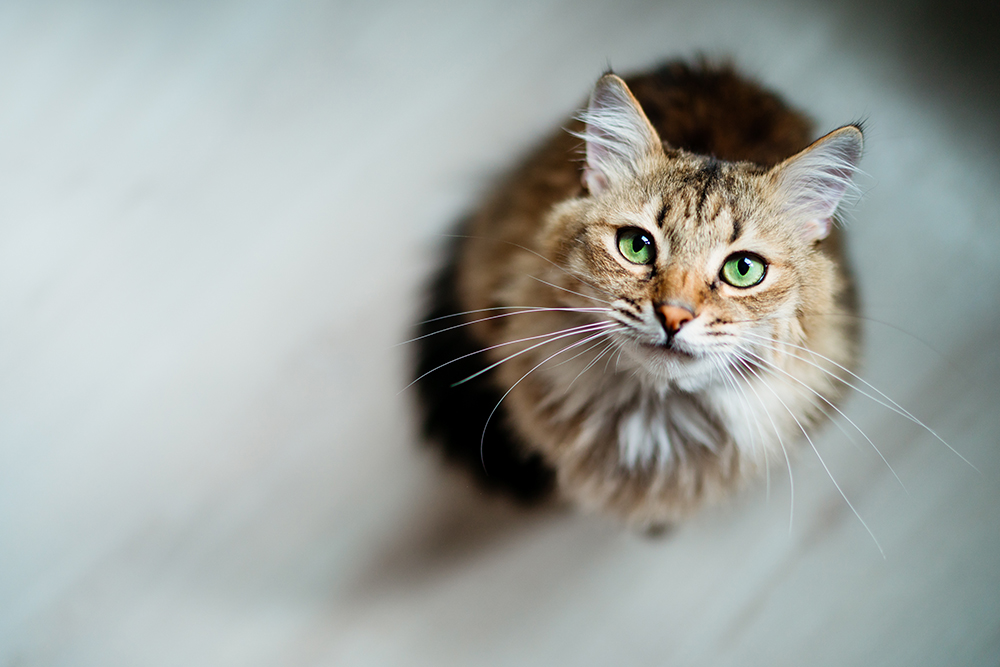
(453, 524)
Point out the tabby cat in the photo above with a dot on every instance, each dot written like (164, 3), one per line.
(643, 327)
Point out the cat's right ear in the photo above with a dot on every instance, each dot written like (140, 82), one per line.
(618, 135)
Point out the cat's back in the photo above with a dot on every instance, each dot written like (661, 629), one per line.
(713, 110)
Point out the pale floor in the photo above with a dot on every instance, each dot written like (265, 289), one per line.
(214, 222)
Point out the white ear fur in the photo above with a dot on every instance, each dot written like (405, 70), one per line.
(812, 183)
(617, 133)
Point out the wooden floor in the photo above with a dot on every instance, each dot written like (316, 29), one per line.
(214, 222)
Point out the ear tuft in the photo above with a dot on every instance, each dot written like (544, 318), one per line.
(618, 135)
(812, 183)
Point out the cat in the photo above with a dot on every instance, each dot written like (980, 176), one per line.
(643, 329)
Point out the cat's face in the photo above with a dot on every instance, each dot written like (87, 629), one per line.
(693, 265)
(699, 261)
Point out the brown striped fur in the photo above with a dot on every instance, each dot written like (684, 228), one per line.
(543, 240)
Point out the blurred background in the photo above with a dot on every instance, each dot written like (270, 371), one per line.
(215, 219)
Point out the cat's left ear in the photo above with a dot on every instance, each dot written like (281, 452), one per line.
(619, 136)
(812, 183)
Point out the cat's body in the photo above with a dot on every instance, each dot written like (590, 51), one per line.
(683, 379)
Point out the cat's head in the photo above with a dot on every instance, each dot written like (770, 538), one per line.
(699, 259)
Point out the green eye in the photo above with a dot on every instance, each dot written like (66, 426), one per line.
(636, 246)
(743, 270)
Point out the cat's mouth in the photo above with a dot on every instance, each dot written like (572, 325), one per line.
(673, 365)
(669, 349)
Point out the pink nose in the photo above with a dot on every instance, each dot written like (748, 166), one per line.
(674, 317)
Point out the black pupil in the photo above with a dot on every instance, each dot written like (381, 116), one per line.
(638, 243)
(743, 266)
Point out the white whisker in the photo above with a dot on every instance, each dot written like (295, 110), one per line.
(731, 380)
(496, 317)
(593, 361)
(781, 443)
(587, 328)
(585, 296)
(552, 336)
(828, 402)
(482, 439)
(818, 456)
(895, 407)
(585, 351)
(486, 310)
(620, 347)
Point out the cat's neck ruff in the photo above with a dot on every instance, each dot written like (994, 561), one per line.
(658, 420)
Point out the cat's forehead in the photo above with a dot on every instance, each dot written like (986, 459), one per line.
(702, 200)
(697, 183)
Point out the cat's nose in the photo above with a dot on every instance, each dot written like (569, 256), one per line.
(674, 317)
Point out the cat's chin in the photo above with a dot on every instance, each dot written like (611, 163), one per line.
(669, 368)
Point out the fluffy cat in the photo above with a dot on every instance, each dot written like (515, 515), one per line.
(644, 329)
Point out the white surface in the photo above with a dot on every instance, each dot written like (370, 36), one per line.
(214, 221)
